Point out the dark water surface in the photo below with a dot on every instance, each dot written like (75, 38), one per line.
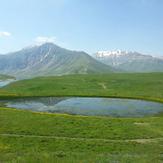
(114, 107)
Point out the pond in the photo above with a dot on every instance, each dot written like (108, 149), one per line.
(114, 107)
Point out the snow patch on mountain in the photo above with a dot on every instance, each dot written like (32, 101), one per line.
(111, 53)
(130, 61)
(46, 55)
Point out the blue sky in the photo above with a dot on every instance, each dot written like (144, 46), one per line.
(89, 25)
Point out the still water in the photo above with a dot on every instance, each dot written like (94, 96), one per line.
(114, 107)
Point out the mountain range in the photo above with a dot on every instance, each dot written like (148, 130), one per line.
(130, 61)
(48, 60)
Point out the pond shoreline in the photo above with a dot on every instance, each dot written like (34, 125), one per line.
(7, 97)
(114, 107)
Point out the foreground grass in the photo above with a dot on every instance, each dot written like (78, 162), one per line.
(39, 137)
(145, 86)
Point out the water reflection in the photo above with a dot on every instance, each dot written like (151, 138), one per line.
(89, 106)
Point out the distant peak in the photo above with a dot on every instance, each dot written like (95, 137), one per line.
(112, 53)
(40, 40)
(47, 44)
(44, 44)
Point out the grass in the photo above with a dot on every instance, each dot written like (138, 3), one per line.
(145, 86)
(41, 137)
(31, 137)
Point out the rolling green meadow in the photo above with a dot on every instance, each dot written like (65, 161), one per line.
(147, 86)
(31, 137)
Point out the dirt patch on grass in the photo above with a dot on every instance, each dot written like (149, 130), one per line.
(141, 123)
(103, 85)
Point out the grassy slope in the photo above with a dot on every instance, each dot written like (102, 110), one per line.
(72, 138)
(65, 138)
(147, 86)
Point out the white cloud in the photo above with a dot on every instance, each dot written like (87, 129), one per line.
(41, 40)
(4, 34)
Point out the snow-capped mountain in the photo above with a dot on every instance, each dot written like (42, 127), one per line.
(49, 59)
(130, 61)
(111, 53)
(160, 57)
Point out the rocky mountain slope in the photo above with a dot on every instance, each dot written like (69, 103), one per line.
(48, 60)
(130, 61)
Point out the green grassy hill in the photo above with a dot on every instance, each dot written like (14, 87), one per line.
(141, 85)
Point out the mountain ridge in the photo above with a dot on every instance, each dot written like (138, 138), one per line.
(130, 61)
(50, 59)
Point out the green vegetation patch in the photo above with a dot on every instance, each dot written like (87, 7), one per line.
(142, 85)
(41, 137)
